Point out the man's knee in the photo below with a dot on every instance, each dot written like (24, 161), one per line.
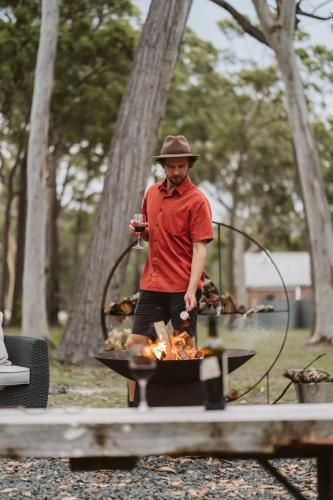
(135, 340)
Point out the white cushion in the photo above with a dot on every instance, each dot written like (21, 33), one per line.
(14, 375)
(4, 361)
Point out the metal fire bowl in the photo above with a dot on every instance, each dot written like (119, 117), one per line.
(172, 372)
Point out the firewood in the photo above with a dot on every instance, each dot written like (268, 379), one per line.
(162, 334)
(125, 307)
(182, 354)
(117, 339)
(229, 304)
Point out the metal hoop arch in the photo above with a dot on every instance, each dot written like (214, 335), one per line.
(267, 372)
(219, 225)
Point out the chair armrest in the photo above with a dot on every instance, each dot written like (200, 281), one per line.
(26, 351)
(31, 353)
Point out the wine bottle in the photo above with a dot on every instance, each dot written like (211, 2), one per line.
(213, 370)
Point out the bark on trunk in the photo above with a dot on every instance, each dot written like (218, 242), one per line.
(6, 230)
(129, 164)
(5, 244)
(52, 244)
(77, 238)
(279, 33)
(34, 299)
(16, 315)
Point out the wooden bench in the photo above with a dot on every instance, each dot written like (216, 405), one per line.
(261, 432)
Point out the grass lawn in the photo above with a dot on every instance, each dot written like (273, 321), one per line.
(92, 384)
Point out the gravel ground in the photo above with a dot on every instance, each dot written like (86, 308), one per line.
(153, 478)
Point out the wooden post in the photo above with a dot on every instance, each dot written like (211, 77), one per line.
(325, 475)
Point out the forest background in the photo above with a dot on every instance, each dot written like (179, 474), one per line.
(230, 105)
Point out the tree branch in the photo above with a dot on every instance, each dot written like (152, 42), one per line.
(301, 12)
(243, 22)
(321, 5)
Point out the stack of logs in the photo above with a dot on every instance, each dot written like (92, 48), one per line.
(211, 302)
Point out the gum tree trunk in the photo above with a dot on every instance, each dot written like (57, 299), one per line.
(34, 296)
(129, 165)
(52, 244)
(16, 316)
(279, 32)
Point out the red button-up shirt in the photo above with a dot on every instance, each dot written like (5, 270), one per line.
(176, 221)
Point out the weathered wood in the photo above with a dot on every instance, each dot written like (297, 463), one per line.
(237, 431)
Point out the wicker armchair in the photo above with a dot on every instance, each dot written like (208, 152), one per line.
(31, 353)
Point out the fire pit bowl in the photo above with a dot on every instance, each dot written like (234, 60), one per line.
(171, 372)
(175, 383)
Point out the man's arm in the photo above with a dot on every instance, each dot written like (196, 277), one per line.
(197, 267)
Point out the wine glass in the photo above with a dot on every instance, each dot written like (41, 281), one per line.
(142, 368)
(139, 227)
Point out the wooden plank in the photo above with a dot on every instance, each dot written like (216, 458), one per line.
(128, 432)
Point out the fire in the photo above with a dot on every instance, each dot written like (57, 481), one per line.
(177, 347)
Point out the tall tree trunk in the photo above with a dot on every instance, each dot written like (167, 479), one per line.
(34, 299)
(129, 165)
(6, 230)
(279, 32)
(16, 315)
(5, 243)
(52, 244)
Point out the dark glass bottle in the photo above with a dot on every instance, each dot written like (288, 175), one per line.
(213, 371)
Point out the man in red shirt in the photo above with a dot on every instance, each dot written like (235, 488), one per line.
(178, 229)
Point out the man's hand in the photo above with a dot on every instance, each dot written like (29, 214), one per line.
(190, 300)
(132, 227)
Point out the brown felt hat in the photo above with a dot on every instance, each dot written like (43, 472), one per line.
(176, 147)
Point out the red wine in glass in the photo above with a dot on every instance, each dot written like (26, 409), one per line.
(139, 226)
(142, 369)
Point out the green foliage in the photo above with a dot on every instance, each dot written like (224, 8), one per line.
(233, 115)
(96, 46)
(237, 122)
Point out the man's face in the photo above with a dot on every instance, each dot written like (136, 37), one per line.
(176, 170)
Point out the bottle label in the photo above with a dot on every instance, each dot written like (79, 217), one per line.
(209, 368)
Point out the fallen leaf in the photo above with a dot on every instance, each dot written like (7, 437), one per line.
(177, 484)
(8, 490)
(160, 469)
(14, 463)
(166, 469)
(193, 493)
(27, 493)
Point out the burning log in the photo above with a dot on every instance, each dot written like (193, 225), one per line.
(162, 348)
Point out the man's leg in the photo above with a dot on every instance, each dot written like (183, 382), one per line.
(150, 309)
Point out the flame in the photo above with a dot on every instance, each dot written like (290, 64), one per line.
(180, 348)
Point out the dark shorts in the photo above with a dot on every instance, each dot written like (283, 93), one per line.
(162, 306)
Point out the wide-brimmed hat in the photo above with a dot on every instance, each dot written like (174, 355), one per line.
(176, 147)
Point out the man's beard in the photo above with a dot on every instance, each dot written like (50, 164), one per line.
(176, 180)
